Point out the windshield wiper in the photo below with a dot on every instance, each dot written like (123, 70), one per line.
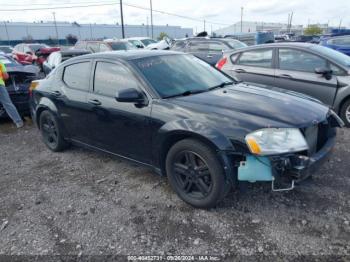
(187, 93)
(221, 85)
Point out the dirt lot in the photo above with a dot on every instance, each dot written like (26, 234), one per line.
(85, 203)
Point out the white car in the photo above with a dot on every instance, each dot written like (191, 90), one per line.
(148, 43)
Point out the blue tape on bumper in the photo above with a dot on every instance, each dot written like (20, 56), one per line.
(255, 169)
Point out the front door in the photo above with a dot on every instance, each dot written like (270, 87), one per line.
(296, 71)
(120, 128)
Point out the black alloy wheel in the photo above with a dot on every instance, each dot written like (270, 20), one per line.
(51, 132)
(196, 174)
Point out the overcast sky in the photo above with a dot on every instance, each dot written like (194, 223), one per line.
(218, 11)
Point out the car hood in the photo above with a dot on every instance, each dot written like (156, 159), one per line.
(242, 108)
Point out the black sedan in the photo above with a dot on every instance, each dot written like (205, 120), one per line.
(60, 56)
(20, 78)
(184, 118)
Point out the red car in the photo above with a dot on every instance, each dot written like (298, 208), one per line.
(32, 53)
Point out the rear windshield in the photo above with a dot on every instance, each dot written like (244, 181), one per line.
(147, 42)
(340, 58)
(36, 47)
(122, 46)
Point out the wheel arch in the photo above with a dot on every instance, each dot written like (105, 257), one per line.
(174, 132)
(45, 104)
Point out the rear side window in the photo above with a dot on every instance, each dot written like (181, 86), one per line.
(179, 45)
(291, 59)
(234, 58)
(259, 58)
(340, 41)
(110, 78)
(198, 46)
(77, 76)
(217, 47)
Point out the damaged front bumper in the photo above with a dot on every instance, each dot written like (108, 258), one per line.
(284, 171)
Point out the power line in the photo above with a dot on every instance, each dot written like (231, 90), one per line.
(94, 4)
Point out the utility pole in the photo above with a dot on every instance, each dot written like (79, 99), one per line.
(290, 24)
(204, 26)
(122, 18)
(147, 28)
(90, 32)
(340, 23)
(54, 20)
(7, 33)
(150, 3)
(242, 19)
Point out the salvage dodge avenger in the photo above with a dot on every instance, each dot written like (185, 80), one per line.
(186, 119)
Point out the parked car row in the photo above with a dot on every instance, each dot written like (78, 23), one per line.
(314, 70)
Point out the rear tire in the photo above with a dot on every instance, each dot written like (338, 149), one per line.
(51, 132)
(196, 174)
(345, 113)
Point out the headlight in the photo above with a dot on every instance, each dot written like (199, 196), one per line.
(271, 141)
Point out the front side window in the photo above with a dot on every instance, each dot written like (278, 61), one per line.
(292, 59)
(173, 75)
(110, 78)
(179, 44)
(259, 58)
(147, 42)
(77, 76)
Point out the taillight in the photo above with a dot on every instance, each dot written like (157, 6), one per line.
(219, 65)
(33, 85)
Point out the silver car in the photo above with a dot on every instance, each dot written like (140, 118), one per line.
(314, 70)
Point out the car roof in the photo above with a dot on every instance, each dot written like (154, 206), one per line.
(74, 52)
(127, 54)
(279, 44)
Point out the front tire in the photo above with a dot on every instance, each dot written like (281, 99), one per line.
(196, 174)
(51, 132)
(345, 113)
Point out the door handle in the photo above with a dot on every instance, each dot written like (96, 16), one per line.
(94, 102)
(56, 93)
(209, 56)
(284, 76)
(239, 70)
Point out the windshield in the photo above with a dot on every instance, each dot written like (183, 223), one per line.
(340, 58)
(121, 46)
(6, 49)
(36, 47)
(147, 42)
(136, 43)
(172, 75)
(235, 44)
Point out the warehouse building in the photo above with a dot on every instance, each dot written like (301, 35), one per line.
(19, 31)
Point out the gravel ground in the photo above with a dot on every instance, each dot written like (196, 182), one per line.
(82, 203)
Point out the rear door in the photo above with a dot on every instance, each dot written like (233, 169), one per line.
(120, 128)
(69, 95)
(296, 71)
(254, 66)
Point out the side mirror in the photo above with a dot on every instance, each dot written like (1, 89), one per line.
(327, 73)
(29, 53)
(139, 46)
(130, 95)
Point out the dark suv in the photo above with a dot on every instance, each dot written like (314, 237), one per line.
(207, 49)
(184, 118)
